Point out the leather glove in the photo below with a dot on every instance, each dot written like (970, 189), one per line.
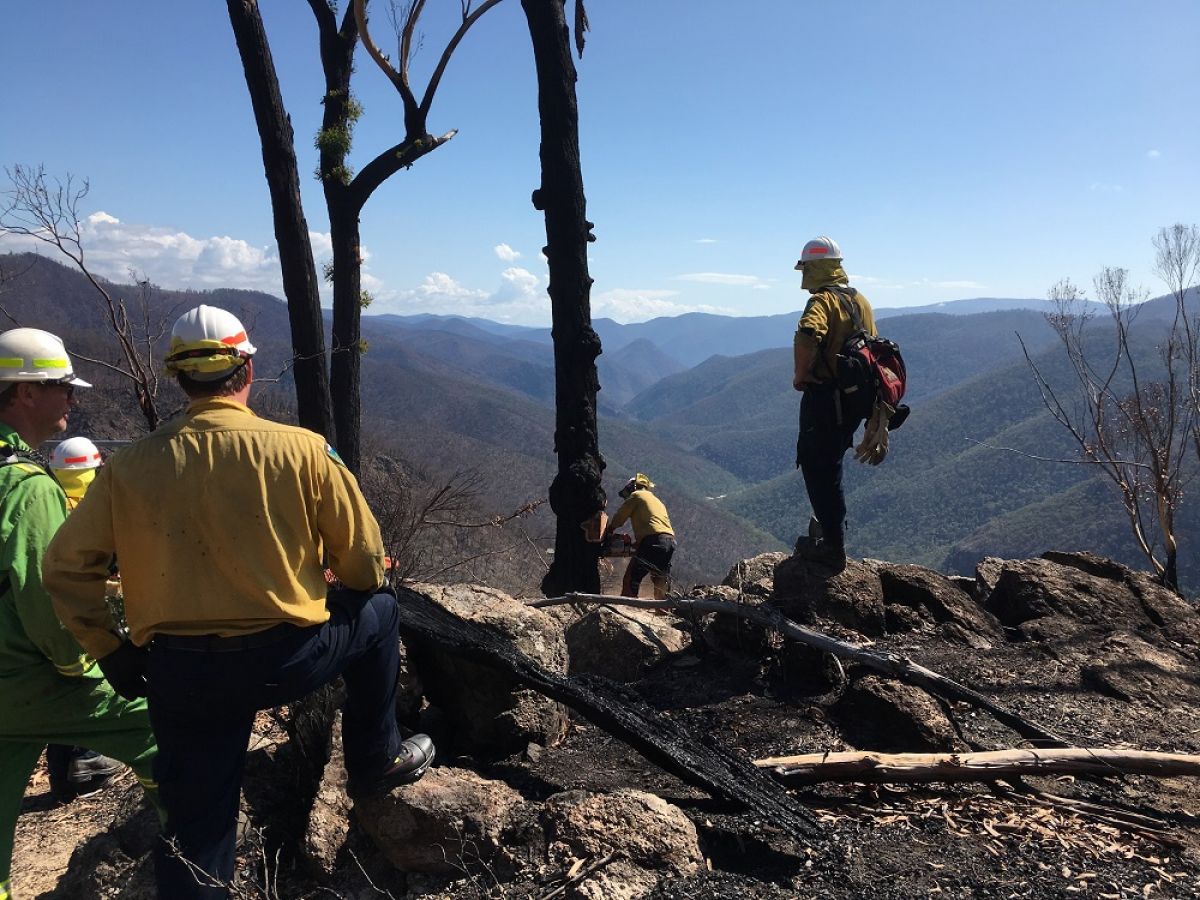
(874, 445)
(125, 670)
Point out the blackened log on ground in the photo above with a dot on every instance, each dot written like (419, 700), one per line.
(699, 761)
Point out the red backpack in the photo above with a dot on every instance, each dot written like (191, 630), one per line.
(869, 368)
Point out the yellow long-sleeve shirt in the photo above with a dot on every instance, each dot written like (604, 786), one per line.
(221, 521)
(824, 327)
(646, 513)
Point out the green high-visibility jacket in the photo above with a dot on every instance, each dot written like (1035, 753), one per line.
(32, 507)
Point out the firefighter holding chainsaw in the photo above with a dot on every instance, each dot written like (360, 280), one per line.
(652, 534)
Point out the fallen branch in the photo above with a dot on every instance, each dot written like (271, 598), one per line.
(892, 664)
(868, 766)
(573, 879)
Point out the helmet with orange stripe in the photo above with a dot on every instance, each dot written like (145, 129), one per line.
(75, 453)
(208, 344)
(819, 248)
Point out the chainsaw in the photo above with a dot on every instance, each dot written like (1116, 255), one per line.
(618, 544)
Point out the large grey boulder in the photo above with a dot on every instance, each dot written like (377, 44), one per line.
(728, 632)
(1056, 597)
(450, 821)
(486, 712)
(621, 642)
(810, 593)
(651, 838)
(755, 576)
(880, 714)
(934, 595)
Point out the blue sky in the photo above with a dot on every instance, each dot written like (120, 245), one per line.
(954, 149)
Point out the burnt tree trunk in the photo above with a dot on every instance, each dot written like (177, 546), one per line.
(337, 125)
(575, 494)
(345, 362)
(291, 229)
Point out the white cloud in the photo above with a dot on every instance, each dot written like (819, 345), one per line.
(633, 305)
(705, 240)
(720, 278)
(1104, 187)
(520, 298)
(171, 258)
(1153, 154)
(506, 253)
(322, 246)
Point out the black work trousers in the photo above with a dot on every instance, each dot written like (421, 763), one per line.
(826, 433)
(204, 692)
(653, 558)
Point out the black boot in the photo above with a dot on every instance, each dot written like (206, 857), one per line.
(416, 755)
(77, 772)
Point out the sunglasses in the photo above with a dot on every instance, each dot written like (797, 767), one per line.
(70, 388)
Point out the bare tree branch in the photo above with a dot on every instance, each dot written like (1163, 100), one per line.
(48, 210)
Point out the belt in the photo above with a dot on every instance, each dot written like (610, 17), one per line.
(214, 643)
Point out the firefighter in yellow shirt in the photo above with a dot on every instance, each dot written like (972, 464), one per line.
(652, 533)
(223, 522)
(827, 421)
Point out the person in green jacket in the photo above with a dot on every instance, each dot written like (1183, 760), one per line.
(50, 690)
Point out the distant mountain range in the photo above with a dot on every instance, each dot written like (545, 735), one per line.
(704, 405)
(690, 339)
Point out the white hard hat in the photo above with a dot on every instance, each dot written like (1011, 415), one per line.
(208, 343)
(75, 453)
(819, 248)
(30, 354)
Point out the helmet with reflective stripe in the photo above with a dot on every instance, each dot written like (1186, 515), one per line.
(30, 354)
(208, 344)
(75, 453)
(819, 248)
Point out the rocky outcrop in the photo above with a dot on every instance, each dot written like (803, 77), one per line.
(486, 713)
(621, 642)
(329, 817)
(1056, 597)
(935, 599)
(1129, 668)
(809, 593)
(648, 837)
(755, 576)
(452, 820)
(878, 714)
(731, 633)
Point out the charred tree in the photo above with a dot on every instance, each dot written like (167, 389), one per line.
(575, 494)
(313, 402)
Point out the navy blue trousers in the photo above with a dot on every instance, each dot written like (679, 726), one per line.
(822, 443)
(203, 697)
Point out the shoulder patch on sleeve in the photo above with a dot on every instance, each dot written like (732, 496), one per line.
(333, 454)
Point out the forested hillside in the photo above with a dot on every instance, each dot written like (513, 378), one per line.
(444, 395)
